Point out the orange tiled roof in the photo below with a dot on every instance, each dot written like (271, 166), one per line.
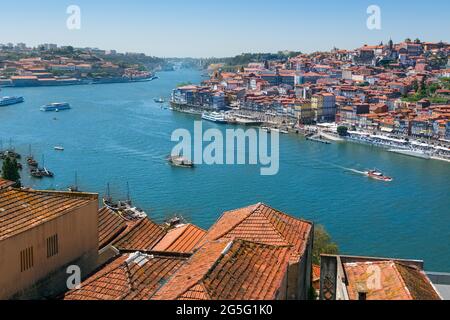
(110, 226)
(397, 281)
(21, 210)
(182, 239)
(5, 183)
(129, 277)
(263, 224)
(144, 235)
(221, 270)
(316, 272)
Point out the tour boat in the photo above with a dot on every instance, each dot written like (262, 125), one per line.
(57, 106)
(214, 117)
(179, 161)
(124, 208)
(377, 175)
(412, 153)
(40, 173)
(6, 101)
(31, 162)
(10, 154)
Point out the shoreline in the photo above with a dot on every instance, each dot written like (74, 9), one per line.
(81, 83)
(424, 153)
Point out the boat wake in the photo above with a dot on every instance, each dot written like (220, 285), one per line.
(355, 171)
(344, 168)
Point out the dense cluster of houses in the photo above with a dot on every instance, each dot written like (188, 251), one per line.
(47, 68)
(365, 88)
(60, 245)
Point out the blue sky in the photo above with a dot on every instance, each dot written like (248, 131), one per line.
(204, 28)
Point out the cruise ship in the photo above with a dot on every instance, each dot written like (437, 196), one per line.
(6, 101)
(214, 117)
(58, 106)
(412, 153)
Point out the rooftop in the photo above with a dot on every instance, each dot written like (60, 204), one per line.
(222, 270)
(5, 183)
(110, 226)
(182, 239)
(143, 236)
(21, 210)
(397, 281)
(262, 224)
(134, 276)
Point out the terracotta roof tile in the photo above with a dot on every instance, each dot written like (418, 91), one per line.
(263, 224)
(182, 239)
(110, 226)
(143, 236)
(396, 281)
(5, 183)
(316, 272)
(238, 270)
(418, 283)
(21, 210)
(128, 278)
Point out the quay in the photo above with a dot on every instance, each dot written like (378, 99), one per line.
(319, 139)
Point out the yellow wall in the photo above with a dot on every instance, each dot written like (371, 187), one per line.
(77, 237)
(304, 111)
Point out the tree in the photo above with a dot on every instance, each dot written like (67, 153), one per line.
(322, 244)
(10, 171)
(415, 85)
(423, 88)
(342, 131)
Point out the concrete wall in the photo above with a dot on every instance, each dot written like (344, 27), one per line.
(78, 243)
(282, 293)
(300, 274)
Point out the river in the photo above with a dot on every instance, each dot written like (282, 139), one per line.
(116, 134)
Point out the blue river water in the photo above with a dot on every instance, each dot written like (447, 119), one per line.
(116, 134)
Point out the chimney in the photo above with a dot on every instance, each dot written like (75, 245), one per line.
(362, 291)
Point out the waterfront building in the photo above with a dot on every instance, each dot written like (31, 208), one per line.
(24, 81)
(41, 234)
(402, 126)
(421, 127)
(324, 106)
(218, 101)
(363, 278)
(304, 112)
(447, 130)
(350, 114)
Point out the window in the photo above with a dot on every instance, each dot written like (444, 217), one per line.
(26, 259)
(52, 246)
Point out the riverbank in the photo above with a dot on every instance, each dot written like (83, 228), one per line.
(78, 82)
(328, 132)
(117, 134)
